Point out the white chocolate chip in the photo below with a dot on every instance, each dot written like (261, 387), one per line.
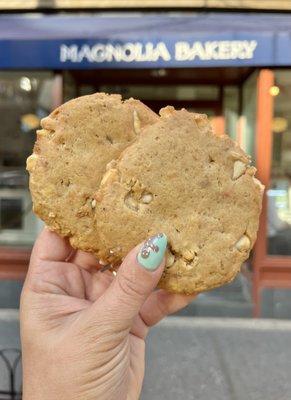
(93, 203)
(52, 215)
(136, 122)
(131, 203)
(147, 198)
(243, 244)
(238, 169)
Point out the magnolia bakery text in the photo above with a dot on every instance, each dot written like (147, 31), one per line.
(152, 52)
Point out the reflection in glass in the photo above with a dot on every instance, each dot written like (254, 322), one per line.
(247, 129)
(25, 98)
(279, 193)
(10, 213)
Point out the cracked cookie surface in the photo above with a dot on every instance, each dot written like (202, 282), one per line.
(75, 144)
(197, 188)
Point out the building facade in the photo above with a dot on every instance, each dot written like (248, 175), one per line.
(233, 65)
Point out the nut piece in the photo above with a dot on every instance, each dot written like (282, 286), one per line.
(202, 122)
(130, 202)
(111, 165)
(31, 161)
(251, 171)
(42, 132)
(136, 122)
(147, 198)
(167, 111)
(188, 254)
(243, 244)
(238, 169)
(170, 259)
(115, 250)
(239, 156)
(110, 176)
(93, 203)
(258, 183)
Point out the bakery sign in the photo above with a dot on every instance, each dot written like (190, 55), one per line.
(155, 52)
(144, 41)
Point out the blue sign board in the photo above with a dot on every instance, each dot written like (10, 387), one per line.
(144, 41)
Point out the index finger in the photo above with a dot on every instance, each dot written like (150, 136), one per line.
(161, 303)
(49, 246)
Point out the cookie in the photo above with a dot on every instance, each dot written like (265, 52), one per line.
(197, 188)
(73, 147)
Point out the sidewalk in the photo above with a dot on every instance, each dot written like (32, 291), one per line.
(204, 358)
(218, 359)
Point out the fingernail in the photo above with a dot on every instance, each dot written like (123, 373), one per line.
(152, 252)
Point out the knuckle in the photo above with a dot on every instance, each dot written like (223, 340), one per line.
(130, 287)
(163, 308)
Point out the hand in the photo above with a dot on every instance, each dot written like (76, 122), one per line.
(83, 331)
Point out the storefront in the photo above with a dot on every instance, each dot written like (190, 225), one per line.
(234, 67)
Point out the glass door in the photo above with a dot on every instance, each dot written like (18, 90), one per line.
(279, 191)
(272, 255)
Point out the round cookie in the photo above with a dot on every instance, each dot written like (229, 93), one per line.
(75, 144)
(197, 188)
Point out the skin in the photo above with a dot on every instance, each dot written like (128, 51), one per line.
(83, 331)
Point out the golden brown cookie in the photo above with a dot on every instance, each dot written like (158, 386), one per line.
(197, 188)
(73, 147)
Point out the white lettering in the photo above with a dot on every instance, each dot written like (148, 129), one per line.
(224, 50)
(215, 50)
(98, 53)
(198, 51)
(250, 47)
(69, 53)
(182, 50)
(85, 53)
(127, 52)
(112, 52)
(211, 50)
(144, 52)
(150, 52)
(161, 51)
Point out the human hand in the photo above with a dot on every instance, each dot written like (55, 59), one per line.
(83, 331)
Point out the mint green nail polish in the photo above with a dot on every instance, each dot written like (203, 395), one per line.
(152, 252)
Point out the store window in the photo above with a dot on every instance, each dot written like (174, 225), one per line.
(25, 98)
(171, 92)
(247, 122)
(205, 99)
(231, 110)
(279, 192)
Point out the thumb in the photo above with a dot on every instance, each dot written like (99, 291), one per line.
(136, 278)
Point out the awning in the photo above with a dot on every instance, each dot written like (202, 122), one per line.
(90, 41)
